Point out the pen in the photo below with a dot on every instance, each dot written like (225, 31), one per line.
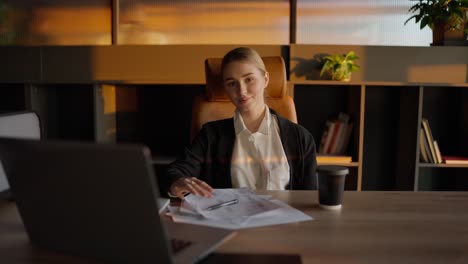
(216, 206)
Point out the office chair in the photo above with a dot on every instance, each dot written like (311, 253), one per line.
(214, 104)
(25, 125)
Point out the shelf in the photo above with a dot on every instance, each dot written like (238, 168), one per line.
(344, 164)
(431, 165)
(390, 113)
(447, 114)
(373, 83)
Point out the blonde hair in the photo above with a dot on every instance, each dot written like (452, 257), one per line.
(246, 55)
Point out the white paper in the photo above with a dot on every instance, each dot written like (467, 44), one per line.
(162, 204)
(251, 211)
(249, 204)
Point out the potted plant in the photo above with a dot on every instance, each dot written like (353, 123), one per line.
(441, 16)
(340, 66)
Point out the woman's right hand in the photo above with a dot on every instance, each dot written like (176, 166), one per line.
(191, 185)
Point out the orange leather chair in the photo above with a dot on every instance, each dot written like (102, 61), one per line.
(214, 104)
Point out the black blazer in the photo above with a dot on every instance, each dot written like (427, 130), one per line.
(209, 156)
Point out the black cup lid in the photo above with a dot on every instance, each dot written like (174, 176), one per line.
(332, 169)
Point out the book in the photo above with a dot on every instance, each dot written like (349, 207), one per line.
(455, 160)
(430, 139)
(344, 120)
(331, 131)
(437, 150)
(321, 159)
(426, 147)
(339, 138)
(336, 130)
(347, 137)
(324, 136)
(335, 135)
(422, 147)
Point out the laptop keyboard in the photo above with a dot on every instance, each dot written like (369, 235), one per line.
(177, 245)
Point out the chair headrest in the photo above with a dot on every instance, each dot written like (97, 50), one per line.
(276, 87)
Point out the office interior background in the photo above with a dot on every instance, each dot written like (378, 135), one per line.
(88, 22)
(127, 71)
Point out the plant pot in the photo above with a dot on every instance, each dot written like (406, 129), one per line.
(454, 35)
(347, 78)
(438, 33)
(341, 77)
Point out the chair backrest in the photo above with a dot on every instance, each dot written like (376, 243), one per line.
(214, 104)
(18, 125)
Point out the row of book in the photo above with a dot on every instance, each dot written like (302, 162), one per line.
(430, 150)
(336, 135)
(335, 140)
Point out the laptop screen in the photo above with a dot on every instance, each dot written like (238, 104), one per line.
(93, 200)
(17, 125)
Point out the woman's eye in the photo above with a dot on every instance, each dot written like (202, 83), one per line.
(230, 84)
(249, 80)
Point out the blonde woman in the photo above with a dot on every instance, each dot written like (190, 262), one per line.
(257, 148)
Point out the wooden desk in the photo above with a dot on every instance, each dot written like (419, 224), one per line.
(372, 227)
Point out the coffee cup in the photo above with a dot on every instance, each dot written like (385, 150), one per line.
(331, 182)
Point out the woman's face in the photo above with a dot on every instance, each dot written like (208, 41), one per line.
(245, 85)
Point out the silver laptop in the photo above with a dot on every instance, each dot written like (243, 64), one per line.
(99, 201)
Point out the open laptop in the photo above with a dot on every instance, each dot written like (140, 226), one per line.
(99, 201)
(24, 124)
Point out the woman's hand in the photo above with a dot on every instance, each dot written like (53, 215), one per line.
(192, 185)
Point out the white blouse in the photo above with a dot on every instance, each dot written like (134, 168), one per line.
(258, 159)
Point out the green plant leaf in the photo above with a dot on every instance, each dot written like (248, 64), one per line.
(427, 12)
(340, 66)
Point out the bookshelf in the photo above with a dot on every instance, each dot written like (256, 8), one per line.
(445, 109)
(386, 103)
(319, 101)
(389, 114)
(398, 86)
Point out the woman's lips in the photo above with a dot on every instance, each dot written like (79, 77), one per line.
(243, 100)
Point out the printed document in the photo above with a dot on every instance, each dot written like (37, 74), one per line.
(235, 209)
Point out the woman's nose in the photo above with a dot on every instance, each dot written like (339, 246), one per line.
(242, 88)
